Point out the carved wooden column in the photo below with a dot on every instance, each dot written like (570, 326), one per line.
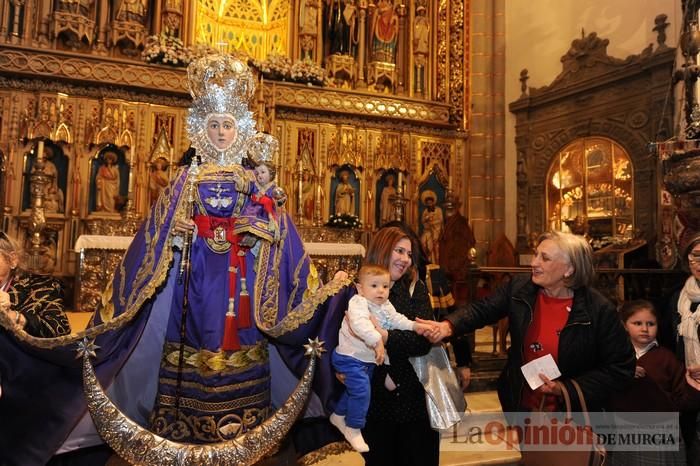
(401, 51)
(14, 36)
(102, 20)
(4, 8)
(361, 82)
(38, 180)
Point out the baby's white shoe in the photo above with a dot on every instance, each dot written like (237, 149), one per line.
(354, 437)
(338, 421)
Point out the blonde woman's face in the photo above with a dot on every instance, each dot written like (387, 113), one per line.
(222, 131)
(401, 259)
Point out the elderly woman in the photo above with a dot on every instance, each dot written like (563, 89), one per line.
(33, 303)
(554, 311)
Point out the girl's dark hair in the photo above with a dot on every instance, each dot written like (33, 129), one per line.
(630, 308)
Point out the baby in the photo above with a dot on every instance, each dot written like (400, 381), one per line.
(267, 197)
(361, 346)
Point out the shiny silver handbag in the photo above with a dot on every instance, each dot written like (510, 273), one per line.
(443, 394)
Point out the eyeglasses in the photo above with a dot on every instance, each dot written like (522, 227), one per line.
(694, 257)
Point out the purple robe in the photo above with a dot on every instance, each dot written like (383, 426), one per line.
(43, 396)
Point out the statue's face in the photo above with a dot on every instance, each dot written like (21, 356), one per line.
(222, 131)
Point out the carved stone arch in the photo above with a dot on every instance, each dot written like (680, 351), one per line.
(595, 95)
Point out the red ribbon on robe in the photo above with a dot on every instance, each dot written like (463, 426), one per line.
(267, 202)
(206, 227)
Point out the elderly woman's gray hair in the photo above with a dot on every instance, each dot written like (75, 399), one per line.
(578, 253)
(10, 248)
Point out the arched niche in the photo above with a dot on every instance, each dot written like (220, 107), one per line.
(595, 96)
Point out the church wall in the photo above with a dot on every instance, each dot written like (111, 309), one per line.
(539, 32)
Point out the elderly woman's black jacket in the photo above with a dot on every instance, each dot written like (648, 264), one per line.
(594, 348)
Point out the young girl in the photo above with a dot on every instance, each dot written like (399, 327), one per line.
(659, 382)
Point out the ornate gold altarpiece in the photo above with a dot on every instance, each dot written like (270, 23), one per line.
(90, 102)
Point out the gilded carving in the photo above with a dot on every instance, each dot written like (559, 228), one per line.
(93, 70)
(304, 97)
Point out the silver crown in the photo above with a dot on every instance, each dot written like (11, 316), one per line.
(221, 84)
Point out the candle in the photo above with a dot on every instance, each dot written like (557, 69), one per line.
(449, 183)
(399, 182)
(131, 179)
(40, 152)
(369, 206)
(131, 170)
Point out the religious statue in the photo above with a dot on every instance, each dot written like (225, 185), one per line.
(341, 24)
(308, 16)
(76, 7)
(157, 178)
(386, 208)
(190, 316)
(344, 195)
(432, 220)
(172, 17)
(53, 194)
(308, 27)
(421, 46)
(132, 11)
(385, 32)
(107, 184)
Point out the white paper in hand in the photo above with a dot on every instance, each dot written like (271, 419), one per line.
(544, 365)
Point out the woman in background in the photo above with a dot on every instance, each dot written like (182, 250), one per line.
(33, 303)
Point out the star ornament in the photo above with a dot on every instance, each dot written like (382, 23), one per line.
(87, 347)
(314, 348)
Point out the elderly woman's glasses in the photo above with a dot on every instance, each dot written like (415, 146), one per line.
(694, 257)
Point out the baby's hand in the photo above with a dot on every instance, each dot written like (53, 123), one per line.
(639, 372)
(421, 329)
(379, 353)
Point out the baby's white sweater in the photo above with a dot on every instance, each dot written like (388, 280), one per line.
(357, 336)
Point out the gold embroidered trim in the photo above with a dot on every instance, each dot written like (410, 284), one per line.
(205, 428)
(222, 388)
(442, 302)
(215, 407)
(207, 363)
(305, 310)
